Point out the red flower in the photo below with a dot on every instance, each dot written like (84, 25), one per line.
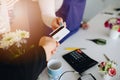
(106, 24)
(112, 71)
(102, 64)
(119, 30)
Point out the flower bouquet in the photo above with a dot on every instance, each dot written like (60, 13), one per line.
(14, 42)
(114, 25)
(107, 69)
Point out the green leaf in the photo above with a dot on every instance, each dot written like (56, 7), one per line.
(98, 41)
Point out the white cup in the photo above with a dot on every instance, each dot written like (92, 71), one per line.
(54, 68)
(114, 34)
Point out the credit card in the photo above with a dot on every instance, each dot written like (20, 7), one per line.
(59, 33)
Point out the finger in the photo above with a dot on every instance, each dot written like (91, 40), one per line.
(55, 24)
(53, 51)
(57, 44)
(55, 27)
(64, 24)
(60, 21)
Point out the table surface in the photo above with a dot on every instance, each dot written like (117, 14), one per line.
(96, 30)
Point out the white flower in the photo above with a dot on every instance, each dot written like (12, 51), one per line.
(22, 34)
(7, 40)
(14, 41)
(113, 20)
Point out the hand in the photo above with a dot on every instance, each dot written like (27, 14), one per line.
(49, 44)
(56, 22)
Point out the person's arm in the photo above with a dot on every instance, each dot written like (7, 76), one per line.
(36, 62)
(47, 8)
(26, 67)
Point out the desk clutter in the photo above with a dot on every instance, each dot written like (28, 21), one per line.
(79, 60)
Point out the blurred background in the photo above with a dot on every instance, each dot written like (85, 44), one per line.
(93, 7)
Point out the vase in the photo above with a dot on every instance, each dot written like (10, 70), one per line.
(114, 34)
(107, 77)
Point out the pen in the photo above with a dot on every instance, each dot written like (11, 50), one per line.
(72, 48)
(106, 57)
(109, 13)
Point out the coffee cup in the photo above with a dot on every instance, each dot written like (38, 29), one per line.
(54, 68)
